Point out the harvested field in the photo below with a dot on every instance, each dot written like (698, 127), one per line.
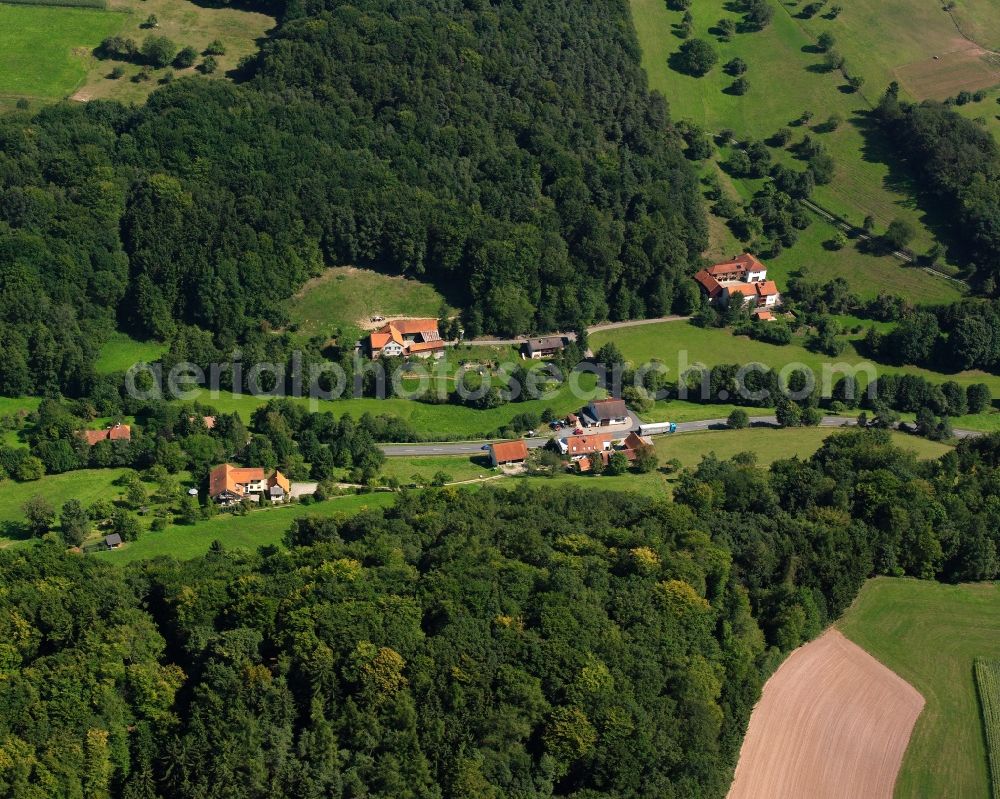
(832, 723)
(967, 69)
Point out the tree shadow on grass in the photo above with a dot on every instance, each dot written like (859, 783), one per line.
(902, 179)
(14, 531)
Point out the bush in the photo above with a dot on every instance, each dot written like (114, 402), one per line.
(215, 47)
(209, 65)
(186, 58)
(740, 87)
(738, 419)
(158, 51)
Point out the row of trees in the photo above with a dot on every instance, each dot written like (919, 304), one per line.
(958, 161)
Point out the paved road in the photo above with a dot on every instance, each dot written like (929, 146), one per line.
(508, 342)
(476, 447)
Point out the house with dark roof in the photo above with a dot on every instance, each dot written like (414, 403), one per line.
(504, 452)
(118, 432)
(113, 541)
(544, 347)
(419, 337)
(601, 413)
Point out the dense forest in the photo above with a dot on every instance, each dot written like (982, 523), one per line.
(509, 152)
(490, 643)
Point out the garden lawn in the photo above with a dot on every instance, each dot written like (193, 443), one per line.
(786, 80)
(258, 528)
(45, 51)
(120, 352)
(930, 634)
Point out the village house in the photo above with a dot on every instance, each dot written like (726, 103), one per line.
(602, 413)
(504, 452)
(576, 447)
(419, 337)
(543, 347)
(112, 541)
(228, 484)
(744, 277)
(630, 447)
(118, 432)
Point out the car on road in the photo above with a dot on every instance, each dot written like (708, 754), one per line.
(485, 447)
(578, 431)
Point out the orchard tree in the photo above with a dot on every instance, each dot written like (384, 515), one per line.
(696, 57)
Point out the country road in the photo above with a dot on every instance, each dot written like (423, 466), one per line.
(476, 447)
(508, 342)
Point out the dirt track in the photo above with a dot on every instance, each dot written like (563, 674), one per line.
(832, 723)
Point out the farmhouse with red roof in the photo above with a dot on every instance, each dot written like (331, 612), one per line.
(743, 277)
(418, 337)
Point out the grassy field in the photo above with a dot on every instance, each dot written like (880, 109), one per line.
(429, 420)
(688, 448)
(867, 274)
(345, 297)
(783, 55)
(120, 352)
(930, 635)
(458, 467)
(16, 404)
(988, 689)
(45, 51)
(712, 346)
(86, 485)
(259, 528)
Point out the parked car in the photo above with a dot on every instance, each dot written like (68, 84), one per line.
(578, 431)
(485, 447)
(378, 319)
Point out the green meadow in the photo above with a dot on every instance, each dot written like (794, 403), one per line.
(256, 529)
(786, 79)
(45, 51)
(345, 298)
(714, 346)
(120, 352)
(785, 82)
(930, 634)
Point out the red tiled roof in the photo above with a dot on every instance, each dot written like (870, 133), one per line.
(507, 451)
(743, 289)
(634, 441)
(410, 326)
(709, 283)
(395, 330)
(766, 288)
(425, 346)
(582, 445)
(227, 477)
(764, 316)
(120, 432)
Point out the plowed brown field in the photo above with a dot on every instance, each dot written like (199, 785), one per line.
(832, 723)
